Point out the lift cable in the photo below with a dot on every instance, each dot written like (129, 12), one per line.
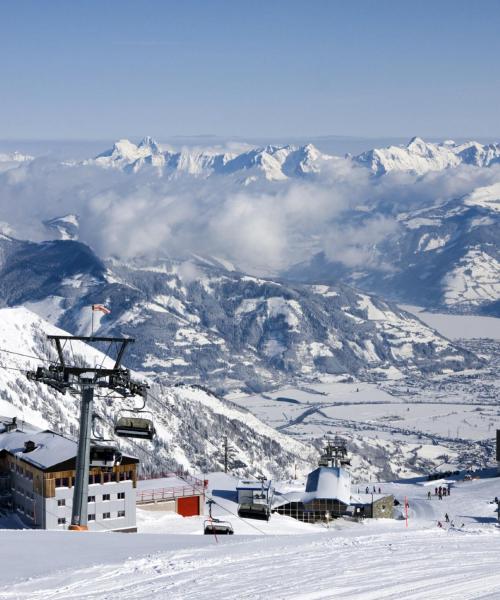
(209, 496)
(26, 355)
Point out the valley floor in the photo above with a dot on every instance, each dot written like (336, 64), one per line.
(379, 559)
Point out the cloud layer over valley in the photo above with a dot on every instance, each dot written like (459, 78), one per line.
(261, 223)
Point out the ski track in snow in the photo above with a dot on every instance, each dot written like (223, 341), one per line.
(375, 560)
(398, 565)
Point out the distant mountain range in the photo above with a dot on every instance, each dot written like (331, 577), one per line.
(197, 322)
(419, 157)
(441, 251)
(281, 162)
(274, 163)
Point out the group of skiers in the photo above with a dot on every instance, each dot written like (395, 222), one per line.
(447, 520)
(440, 491)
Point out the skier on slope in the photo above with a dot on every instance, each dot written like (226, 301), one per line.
(446, 518)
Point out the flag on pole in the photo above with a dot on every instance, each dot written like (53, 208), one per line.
(101, 308)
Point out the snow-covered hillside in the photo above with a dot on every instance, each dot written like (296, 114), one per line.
(190, 422)
(444, 254)
(196, 322)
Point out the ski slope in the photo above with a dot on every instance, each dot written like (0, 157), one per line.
(379, 559)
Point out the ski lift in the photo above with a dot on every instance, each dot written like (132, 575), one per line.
(255, 503)
(135, 423)
(217, 527)
(104, 455)
(213, 526)
(254, 510)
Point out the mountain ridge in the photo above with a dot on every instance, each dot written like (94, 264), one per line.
(200, 323)
(281, 162)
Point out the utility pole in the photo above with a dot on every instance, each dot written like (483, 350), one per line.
(81, 380)
(226, 453)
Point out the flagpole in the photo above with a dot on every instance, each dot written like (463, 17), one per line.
(92, 330)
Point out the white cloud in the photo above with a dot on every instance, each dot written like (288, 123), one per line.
(262, 228)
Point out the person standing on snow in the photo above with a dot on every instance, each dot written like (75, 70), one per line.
(446, 518)
(428, 495)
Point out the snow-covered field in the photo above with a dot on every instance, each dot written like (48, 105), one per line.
(379, 559)
(456, 327)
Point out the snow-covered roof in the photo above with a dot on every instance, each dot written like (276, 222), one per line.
(51, 448)
(330, 482)
(245, 484)
(367, 498)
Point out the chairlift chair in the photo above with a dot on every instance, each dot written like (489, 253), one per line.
(217, 527)
(135, 423)
(104, 455)
(253, 510)
(134, 426)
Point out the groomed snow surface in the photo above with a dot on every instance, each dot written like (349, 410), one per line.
(377, 559)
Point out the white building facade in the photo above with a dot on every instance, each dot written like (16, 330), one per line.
(37, 471)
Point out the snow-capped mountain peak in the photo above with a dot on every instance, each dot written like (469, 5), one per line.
(271, 162)
(150, 144)
(419, 157)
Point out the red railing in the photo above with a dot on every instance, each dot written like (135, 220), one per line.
(162, 494)
(179, 474)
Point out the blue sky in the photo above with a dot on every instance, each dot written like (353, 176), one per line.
(107, 69)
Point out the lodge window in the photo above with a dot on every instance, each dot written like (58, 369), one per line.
(106, 478)
(121, 513)
(61, 521)
(121, 496)
(62, 481)
(106, 497)
(61, 502)
(106, 515)
(91, 517)
(91, 499)
(97, 478)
